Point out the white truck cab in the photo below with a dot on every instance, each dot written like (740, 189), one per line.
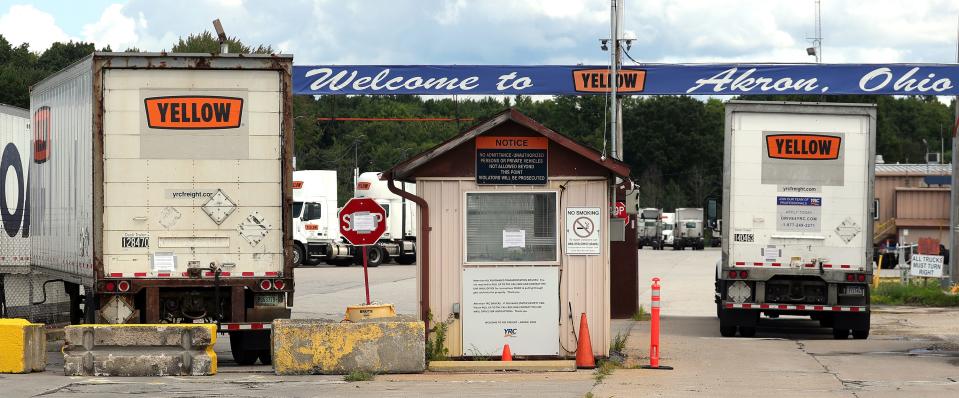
(314, 210)
(668, 225)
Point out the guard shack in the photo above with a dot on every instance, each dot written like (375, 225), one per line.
(518, 238)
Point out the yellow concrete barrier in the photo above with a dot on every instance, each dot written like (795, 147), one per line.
(317, 346)
(23, 346)
(140, 350)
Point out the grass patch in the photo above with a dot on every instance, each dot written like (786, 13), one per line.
(589, 394)
(604, 368)
(617, 344)
(927, 295)
(641, 315)
(359, 375)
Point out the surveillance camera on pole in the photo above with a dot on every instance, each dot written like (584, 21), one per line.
(221, 35)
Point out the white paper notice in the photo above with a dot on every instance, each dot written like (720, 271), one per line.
(164, 262)
(510, 305)
(514, 238)
(364, 222)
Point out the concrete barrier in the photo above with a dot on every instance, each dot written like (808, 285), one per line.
(319, 346)
(23, 346)
(140, 350)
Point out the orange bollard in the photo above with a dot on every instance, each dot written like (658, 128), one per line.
(507, 355)
(654, 330)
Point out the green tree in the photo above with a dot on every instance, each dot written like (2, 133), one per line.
(207, 42)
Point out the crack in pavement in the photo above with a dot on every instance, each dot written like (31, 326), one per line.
(847, 385)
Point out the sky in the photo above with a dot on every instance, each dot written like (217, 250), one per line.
(522, 32)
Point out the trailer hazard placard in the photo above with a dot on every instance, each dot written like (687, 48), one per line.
(582, 230)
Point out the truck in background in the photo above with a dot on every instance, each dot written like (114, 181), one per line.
(317, 231)
(650, 232)
(668, 227)
(24, 293)
(797, 203)
(689, 229)
(163, 189)
(717, 234)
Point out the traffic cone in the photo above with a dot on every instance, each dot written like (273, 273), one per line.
(507, 355)
(584, 351)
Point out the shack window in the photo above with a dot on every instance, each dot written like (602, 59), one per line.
(511, 227)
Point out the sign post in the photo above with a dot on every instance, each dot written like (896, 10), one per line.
(362, 222)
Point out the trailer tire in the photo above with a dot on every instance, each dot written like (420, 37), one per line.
(860, 334)
(375, 255)
(266, 357)
(727, 331)
(241, 355)
(298, 254)
(840, 334)
(406, 259)
(747, 331)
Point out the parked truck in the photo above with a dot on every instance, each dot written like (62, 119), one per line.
(317, 230)
(797, 198)
(689, 229)
(651, 228)
(668, 226)
(161, 185)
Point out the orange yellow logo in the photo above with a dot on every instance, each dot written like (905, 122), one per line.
(803, 146)
(193, 112)
(598, 81)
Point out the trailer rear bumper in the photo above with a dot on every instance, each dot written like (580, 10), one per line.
(796, 307)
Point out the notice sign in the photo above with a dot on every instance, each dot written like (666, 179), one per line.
(511, 160)
(926, 265)
(518, 306)
(582, 231)
(798, 214)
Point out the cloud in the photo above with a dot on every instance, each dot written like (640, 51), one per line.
(115, 29)
(27, 24)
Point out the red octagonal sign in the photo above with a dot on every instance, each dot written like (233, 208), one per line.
(362, 221)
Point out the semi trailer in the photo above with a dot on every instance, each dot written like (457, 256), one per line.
(797, 202)
(161, 190)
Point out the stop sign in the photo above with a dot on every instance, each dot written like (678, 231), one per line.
(362, 221)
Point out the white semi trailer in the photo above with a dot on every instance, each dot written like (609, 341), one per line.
(316, 224)
(160, 183)
(797, 198)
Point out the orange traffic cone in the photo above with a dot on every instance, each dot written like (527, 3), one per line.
(584, 351)
(507, 355)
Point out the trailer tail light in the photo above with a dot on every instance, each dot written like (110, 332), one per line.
(123, 286)
(265, 284)
(861, 277)
(732, 274)
(278, 284)
(743, 274)
(109, 286)
(850, 277)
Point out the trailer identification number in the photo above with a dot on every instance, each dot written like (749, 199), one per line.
(744, 238)
(135, 241)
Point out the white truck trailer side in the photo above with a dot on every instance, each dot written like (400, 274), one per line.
(164, 188)
(797, 196)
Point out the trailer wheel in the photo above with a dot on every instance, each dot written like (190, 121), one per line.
(375, 255)
(297, 255)
(747, 331)
(727, 331)
(860, 334)
(840, 334)
(266, 357)
(241, 354)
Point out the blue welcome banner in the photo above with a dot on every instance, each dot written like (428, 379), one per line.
(652, 79)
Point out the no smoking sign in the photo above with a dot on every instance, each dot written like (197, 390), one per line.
(582, 231)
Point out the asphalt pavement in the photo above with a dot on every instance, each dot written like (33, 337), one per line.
(911, 351)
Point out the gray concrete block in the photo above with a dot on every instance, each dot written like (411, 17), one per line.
(319, 346)
(140, 350)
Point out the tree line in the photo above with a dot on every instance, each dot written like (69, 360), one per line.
(673, 144)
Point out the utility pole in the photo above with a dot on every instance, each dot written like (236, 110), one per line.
(615, 110)
(954, 209)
